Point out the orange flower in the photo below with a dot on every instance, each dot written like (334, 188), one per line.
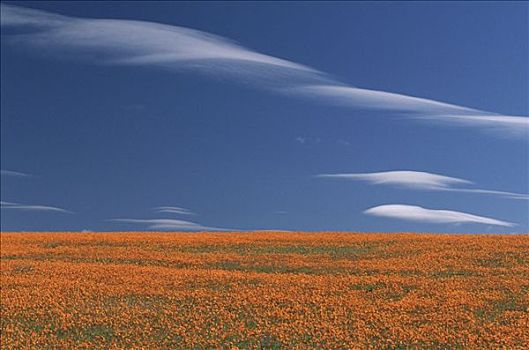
(263, 290)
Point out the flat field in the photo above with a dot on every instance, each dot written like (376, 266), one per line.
(264, 290)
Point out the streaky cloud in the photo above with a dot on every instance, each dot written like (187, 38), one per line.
(407, 178)
(142, 43)
(11, 15)
(13, 173)
(420, 180)
(39, 208)
(505, 126)
(174, 210)
(435, 216)
(416, 108)
(374, 99)
(170, 225)
(504, 194)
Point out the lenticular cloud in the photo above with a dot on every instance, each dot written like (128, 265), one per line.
(420, 214)
(148, 44)
(420, 180)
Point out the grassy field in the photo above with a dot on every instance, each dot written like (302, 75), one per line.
(264, 291)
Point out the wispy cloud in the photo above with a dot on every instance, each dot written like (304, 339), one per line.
(417, 108)
(170, 225)
(407, 178)
(300, 139)
(504, 194)
(503, 125)
(140, 43)
(28, 207)
(420, 214)
(420, 180)
(373, 99)
(174, 210)
(22, 16)
(13, 173)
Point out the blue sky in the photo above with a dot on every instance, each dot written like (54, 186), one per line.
(295, 116)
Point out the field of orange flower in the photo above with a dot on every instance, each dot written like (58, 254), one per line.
(263, 290)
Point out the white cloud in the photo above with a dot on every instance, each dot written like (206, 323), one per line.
(28, 207)
(41, 208)
(141, 43)
(415, 108)
(301, 140)
(170, 225)
(420, 214)
(420, 180)
(373, 99)
(13, 173)
(503, 125)
(174, 210)
(407, 178)
(504, 194)
(21, 16)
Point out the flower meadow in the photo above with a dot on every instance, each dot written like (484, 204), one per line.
(264, 290)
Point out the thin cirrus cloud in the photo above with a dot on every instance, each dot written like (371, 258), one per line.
(170, 225)
(416, 108)
(141, 43)
(13, 173)
(420, 180)
(28, 207)
(174, 210)
(434, 216)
